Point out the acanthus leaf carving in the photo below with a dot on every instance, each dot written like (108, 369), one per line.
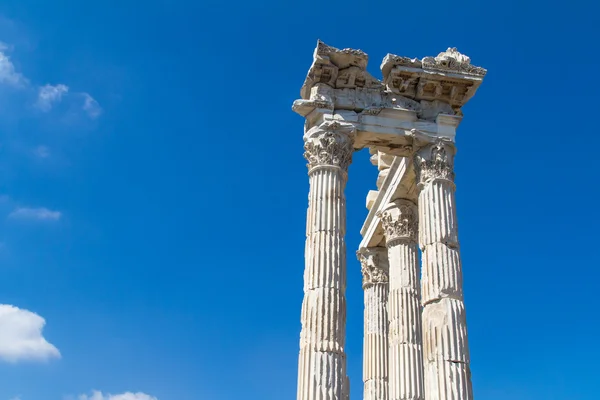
(435, 161)
(330, 143)
(400, 221)
(374, 265)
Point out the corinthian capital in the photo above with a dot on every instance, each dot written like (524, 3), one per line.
(435, 161)
(374, 265)
(330, 143)
(400, 221)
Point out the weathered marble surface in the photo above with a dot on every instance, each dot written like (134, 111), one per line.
(322, 359)
(446, 350)
(408, 120)
(338, 79)
(375, 270)
(400, 223)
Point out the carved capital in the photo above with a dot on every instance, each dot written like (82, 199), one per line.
(435, 161)
(330, 143)
(374, 265)
(400, 221)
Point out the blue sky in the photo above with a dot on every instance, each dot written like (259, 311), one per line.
(153, 193)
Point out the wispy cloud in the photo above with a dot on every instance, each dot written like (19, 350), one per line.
(8, 74)
(40, 214)
(91, 106)
(48, 95)
(96, 395)
(21, 336)
(41, 151)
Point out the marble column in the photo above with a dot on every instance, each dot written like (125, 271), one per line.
(446, 352)
(399, 221)
(322, 360)
(374, 267)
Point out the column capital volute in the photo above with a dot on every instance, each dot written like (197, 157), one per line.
(374, 265)
(435, 161)
(330, 144)
(400, 221)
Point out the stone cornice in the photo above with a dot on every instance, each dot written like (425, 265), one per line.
(449, 77)
(449, 61)
(339, 69)
(338, 80)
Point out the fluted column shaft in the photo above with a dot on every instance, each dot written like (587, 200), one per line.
(322, 359)
(404, 306)
(446, 351)
(374, 266)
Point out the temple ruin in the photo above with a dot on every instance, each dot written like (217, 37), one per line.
(415, 332)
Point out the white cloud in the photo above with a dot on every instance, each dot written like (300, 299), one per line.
(96, 395)
(21, 336)
(91, 106)
(8, 75)
(48, 95)
(42, 214)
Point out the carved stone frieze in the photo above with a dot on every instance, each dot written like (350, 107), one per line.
(435, 161)
(338, 80)
(332, 66)
(370, 101)
(374, 265)
(330, 143)
(400, 221)
(449, 77)
(354, 77)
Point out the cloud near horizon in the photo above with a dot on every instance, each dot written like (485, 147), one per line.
(96, 395)
(39, 214)
(21, 336)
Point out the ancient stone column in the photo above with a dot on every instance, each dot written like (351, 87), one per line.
(322, 361)
(446, 352)
(399, 221)
(374, 267)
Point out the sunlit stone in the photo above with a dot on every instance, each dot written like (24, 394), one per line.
(415, 343)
